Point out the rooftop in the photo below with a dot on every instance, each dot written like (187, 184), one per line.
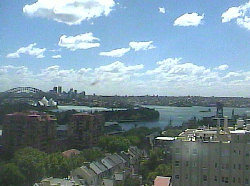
(58, 181)
(163, 138)
(206, 134)
(70, 153)
(82, 114)
(162, 181)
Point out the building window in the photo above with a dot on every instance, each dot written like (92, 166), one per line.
(177, 176)
(239, 166)
(186, 177)
(177, 163)
(247, 167)
(234, 179)
(246, 181)
(226, 179)
(215, 165)
(222, 166)
(194, 164)
(186, 163)
(247, 154)
(177, 150)
(204, 177)
(215, 178)
(234, 166)
(239, 181)
(195, 151)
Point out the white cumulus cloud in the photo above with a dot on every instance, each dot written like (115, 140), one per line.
(82, 41)
(115, 53)
(142, 45)
(244, 22)
(240, 13)
(171, 76)
(29, 50)
(221, 67)
(71, 12)
(189, 19)
(56, 56)
(162, 10)
(116, 71)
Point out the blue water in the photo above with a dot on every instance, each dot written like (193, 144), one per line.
(177, 114)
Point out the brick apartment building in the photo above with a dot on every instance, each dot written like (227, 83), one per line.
(85, 130)
(33, 129)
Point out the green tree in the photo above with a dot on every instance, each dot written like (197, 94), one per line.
(130, 182)
(137, 136)
(10, 175)
(134, 140)
(91, 154)
(31, 163)
(156, 165)
(164, 170)
(114, 143)
(172, 132)
(57, 165)
(161, 170)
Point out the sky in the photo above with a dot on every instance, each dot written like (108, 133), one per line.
(124, 47)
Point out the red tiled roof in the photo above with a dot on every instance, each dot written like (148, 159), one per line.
(70, 153)
(162, 181)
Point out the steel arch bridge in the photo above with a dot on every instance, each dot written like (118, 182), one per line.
(19, 90)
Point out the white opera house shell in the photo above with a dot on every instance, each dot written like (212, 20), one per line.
(44, 102)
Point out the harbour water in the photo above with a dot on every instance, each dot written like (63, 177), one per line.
(177, 115)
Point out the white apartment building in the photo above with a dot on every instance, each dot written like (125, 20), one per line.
(212, 157)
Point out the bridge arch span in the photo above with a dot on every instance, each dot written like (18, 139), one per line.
(18, 90)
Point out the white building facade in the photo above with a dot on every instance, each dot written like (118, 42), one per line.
(212, 158)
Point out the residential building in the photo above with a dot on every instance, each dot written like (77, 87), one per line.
(212, 156)
(56, 182)
(109, 171)
(100, 169)
(85, 130)
(134, 155)
(34, 129)
(84, 176)
(112, 128)
(62, 138)
(1, 132)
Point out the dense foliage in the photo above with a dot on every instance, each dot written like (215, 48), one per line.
(172, 131)
(140, 114)
(137, 136)
(31, 165)
(11, 175)
(130, 182)
(114, 143)
(155, 165)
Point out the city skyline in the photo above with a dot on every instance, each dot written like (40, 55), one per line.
(119, 47)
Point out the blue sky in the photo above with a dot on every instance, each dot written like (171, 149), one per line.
(190, 47)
